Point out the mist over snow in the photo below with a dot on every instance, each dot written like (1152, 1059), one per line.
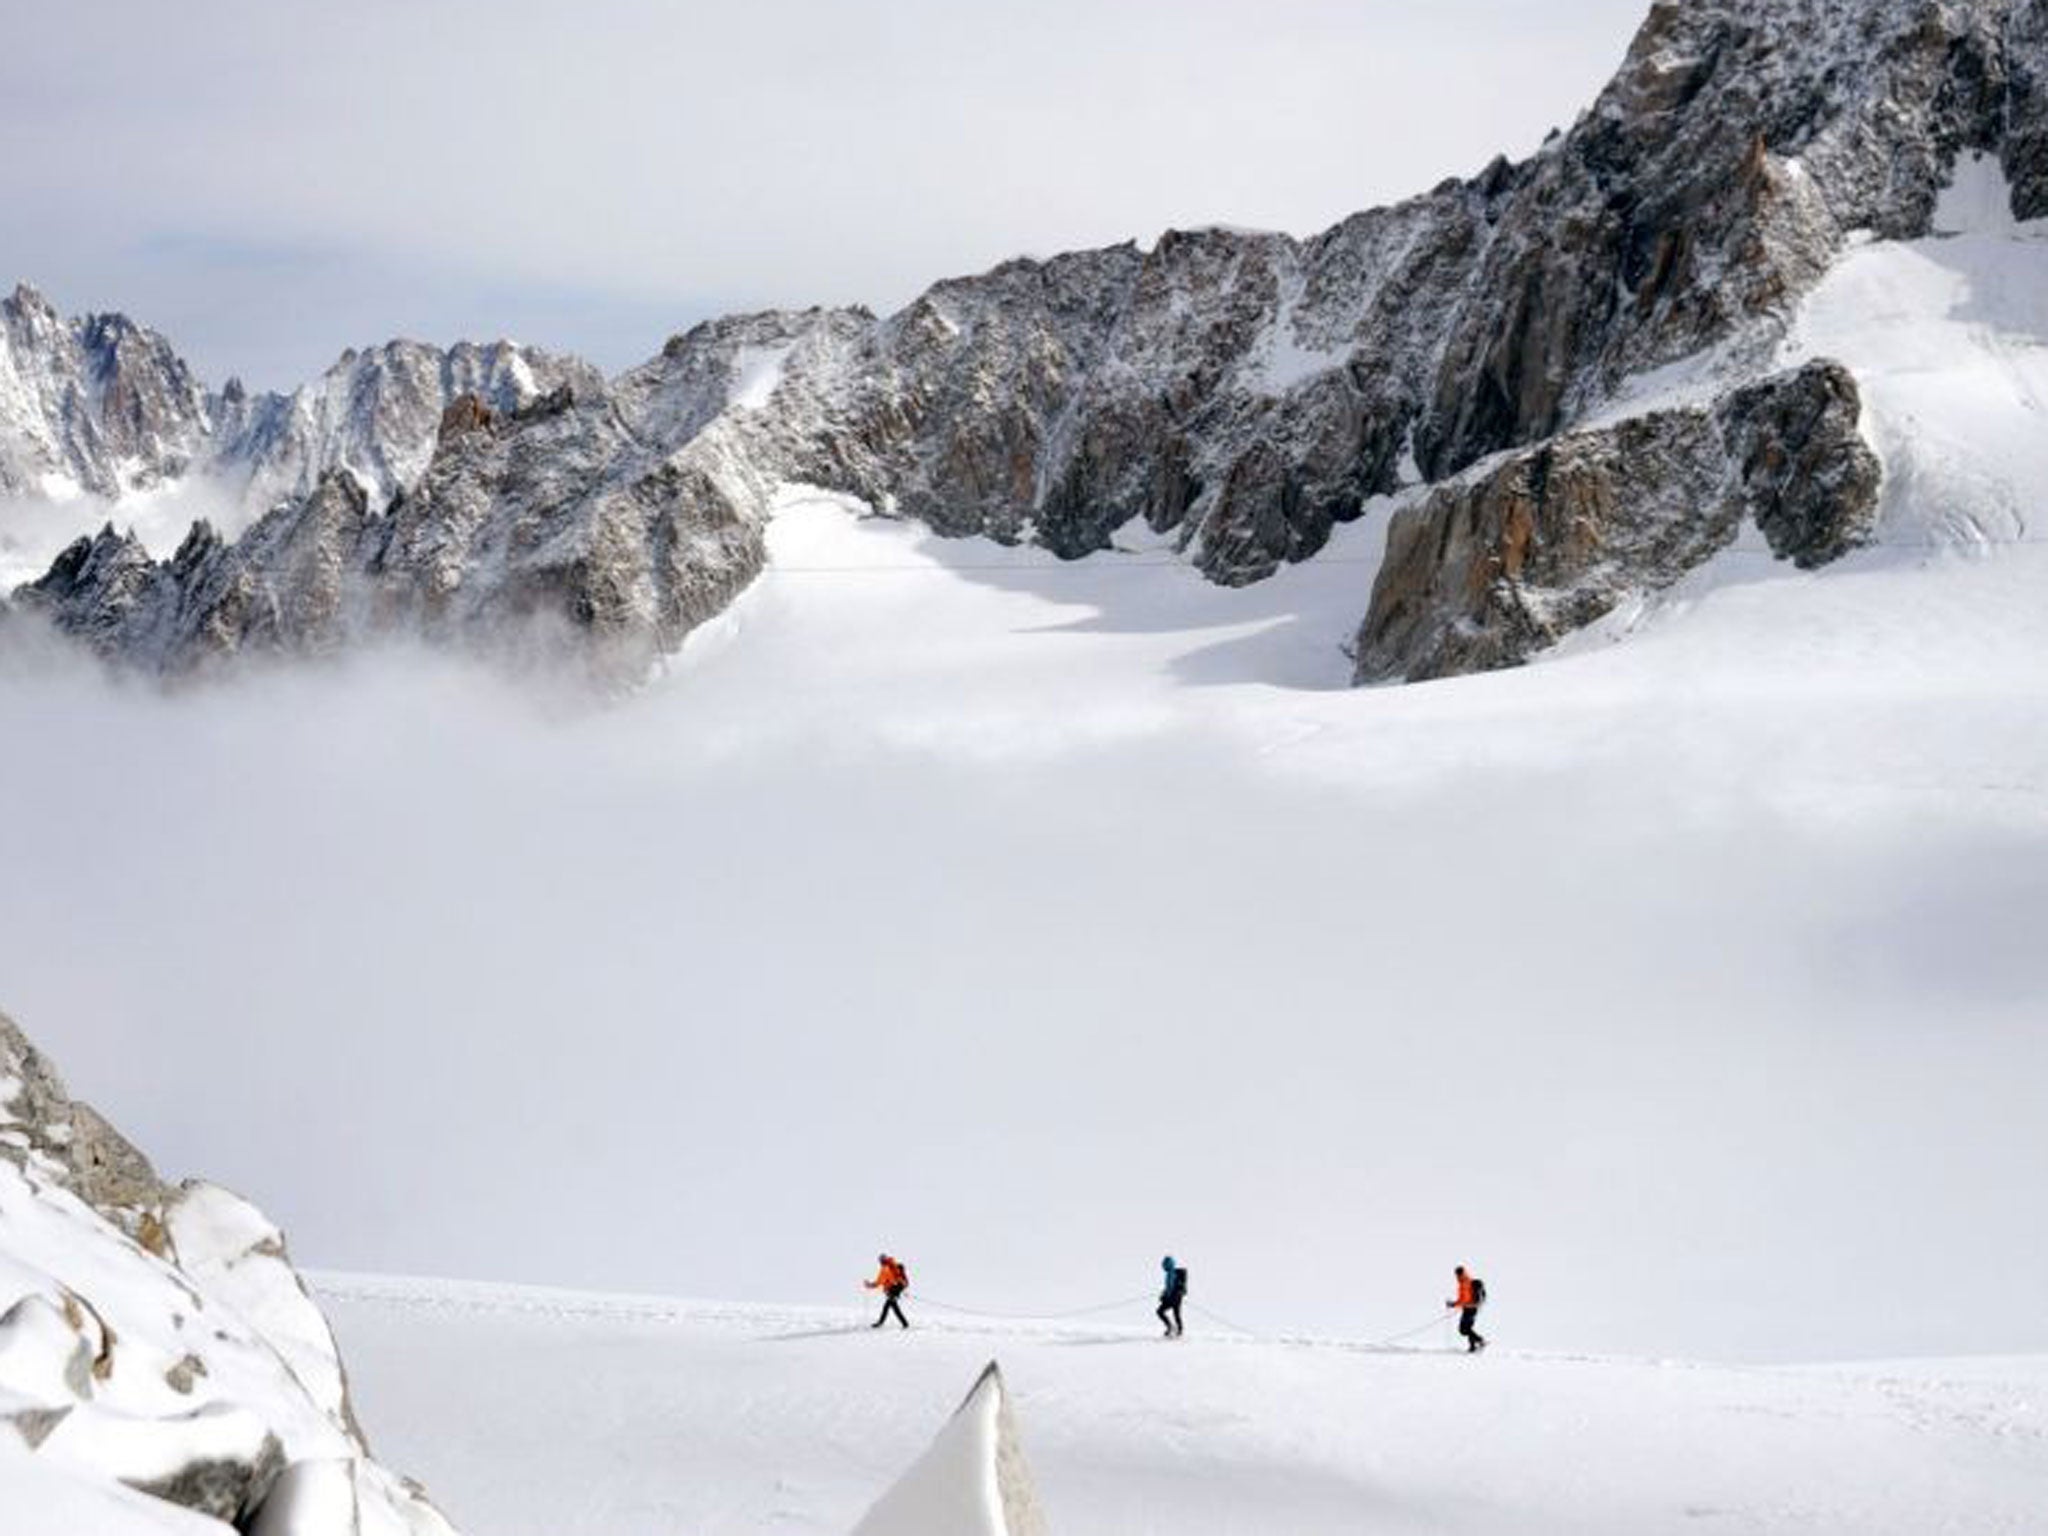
(950, 899)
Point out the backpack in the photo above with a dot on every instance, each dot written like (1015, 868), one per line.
(903, 1274)
(1478, 1292)
(1178, 1286)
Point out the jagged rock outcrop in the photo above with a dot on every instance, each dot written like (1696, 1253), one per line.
(283, 586)
(1250, 389)
(1245, 392)
(375, 414)
(1808, 480)
(100, 406)
(564, 518)
(96, 590)
(554, 529)
(95, 404)
(154, 1339)
(1508, 559)
(69, 1141)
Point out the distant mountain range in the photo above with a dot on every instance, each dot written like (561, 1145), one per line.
(1461, 365)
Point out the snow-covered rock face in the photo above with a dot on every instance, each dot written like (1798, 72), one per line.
(558, 531)
(94, 404)
(972, 1482)
(1249, 389)
(375, 414)
(97, 406)
(1508, 559)
(158, 1350)
(1241, 392)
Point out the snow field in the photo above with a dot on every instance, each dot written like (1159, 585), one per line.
(948, 898)
(610, 1416)
(1034, 919)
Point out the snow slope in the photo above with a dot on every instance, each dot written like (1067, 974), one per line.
(1034, 919)
(947, 896)
(1949, 338)
(608, 1415)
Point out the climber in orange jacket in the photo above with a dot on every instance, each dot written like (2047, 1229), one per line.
(892, 1280)
(1470, 1298)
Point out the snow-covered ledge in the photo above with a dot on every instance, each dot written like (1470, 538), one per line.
(162, 1367)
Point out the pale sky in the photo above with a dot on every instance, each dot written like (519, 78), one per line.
(268, 183)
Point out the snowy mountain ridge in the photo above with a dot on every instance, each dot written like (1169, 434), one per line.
(94, 404)
(1242, 393)
(97, 406)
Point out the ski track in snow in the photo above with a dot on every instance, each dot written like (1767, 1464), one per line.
(638, 1415)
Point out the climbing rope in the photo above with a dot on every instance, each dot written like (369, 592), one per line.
(1402, 1338)
(920, 1299)
(1253, 1333)
(1218, 1317)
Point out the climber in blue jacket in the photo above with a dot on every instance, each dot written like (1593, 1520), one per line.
(1171, 1295)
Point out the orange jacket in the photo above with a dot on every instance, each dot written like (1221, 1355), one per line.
(890, 1277)
(1464, 1292)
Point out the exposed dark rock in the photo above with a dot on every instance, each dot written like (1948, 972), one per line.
(1809, 482)
(69, 1140)
(34, 1425)
(229, 1489)
(465, 413)
(1493, 567)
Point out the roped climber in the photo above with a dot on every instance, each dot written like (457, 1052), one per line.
(892, 1280)
(1172, 1293)
(1470, 1298)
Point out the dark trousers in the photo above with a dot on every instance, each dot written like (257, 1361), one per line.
(1474, 1339)
(1169, 1314)
(889, 1305)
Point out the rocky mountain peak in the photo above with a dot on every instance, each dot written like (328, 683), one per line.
(27, 299)
(1242, 392)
